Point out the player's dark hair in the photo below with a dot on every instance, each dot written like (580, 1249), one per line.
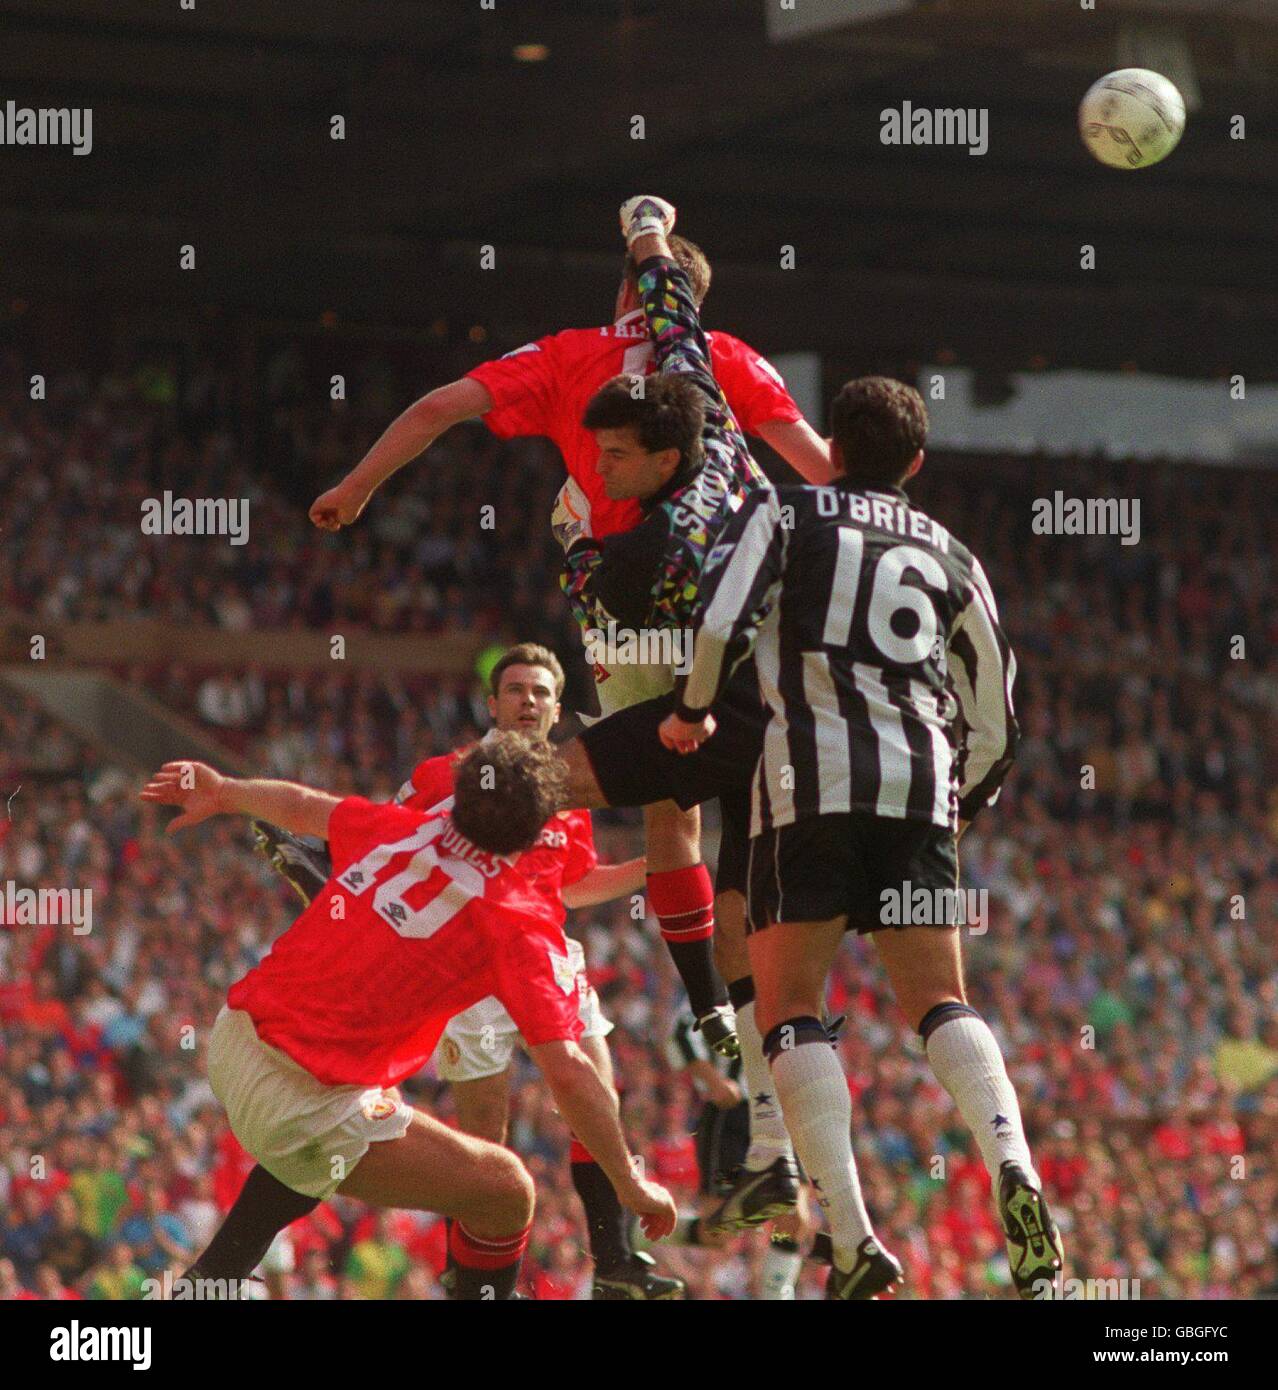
(689, 257)
(665, 411)
(505, 789)
(528, 654)
(879, 425)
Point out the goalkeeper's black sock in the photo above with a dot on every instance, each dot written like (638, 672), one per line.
(261, 1211)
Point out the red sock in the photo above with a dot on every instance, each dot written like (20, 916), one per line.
(486, 1266)
(683, 900)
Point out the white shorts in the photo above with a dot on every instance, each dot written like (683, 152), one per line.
(620, 681)
(481, 1041)
(308, 1135)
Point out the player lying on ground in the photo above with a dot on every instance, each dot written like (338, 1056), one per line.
(425, 916)
(475, 1051)
(544, 388)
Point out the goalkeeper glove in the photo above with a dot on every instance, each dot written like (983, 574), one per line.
(645, 215)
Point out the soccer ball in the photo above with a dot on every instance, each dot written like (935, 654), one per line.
(1131, 118)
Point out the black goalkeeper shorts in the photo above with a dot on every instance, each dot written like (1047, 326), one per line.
(634, 768)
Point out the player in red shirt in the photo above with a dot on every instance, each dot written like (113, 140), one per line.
(475, 1052)
(478, 1044)
(543, 388)
(425, 915)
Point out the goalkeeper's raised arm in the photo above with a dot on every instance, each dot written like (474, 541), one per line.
(671, 442)
(674, 321)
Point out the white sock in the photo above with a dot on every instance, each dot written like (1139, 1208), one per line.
(769, 1138)
(965, 1057)
(780, 1273)
(818, 1114)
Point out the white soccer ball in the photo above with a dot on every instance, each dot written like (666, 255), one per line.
(1131, 118)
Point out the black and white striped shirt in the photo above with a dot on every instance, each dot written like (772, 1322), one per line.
(886, 676)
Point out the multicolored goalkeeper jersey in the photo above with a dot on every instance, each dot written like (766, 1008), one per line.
(649, 577)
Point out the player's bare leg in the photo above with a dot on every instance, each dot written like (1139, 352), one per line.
(925, 965)
(483, 1187)
(731, 955)
(581, 787)
(791, 964)
(482, 1106)
(767, 1186)
(679, 891)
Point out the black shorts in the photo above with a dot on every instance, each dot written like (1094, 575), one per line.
(734, 843)
(723, 1139)
(879, 872)
(634, 768)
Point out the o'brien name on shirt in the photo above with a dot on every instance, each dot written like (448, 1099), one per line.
(47, 125)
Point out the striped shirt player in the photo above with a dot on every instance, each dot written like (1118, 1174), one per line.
(887, 683)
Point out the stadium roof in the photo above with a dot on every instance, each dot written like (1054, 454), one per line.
(211, 127)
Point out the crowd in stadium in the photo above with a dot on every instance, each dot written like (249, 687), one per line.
(1128, 967)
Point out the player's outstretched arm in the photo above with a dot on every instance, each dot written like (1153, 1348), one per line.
(587, 1106)
(801, 447)
(415, 430)
(201, 791)
(607, 881)
(671, 313)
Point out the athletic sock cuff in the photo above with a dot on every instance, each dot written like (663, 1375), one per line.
(794, 1032)
(486, 1252)
(944, 1013)
(683, 901)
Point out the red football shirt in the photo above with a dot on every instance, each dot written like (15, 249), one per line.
(565, 850)
(415, 925)
(543, 388)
